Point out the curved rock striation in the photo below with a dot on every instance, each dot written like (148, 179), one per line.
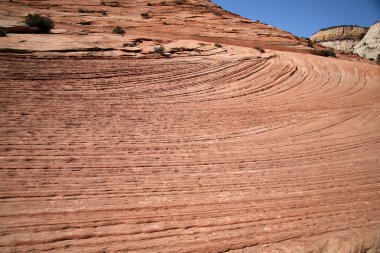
(185, 156)
(214, 149)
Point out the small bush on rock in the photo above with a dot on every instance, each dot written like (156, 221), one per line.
(45, 24)
(145, 15)
(324, 52)
(159, 50)
(260, 49)
(118, 30)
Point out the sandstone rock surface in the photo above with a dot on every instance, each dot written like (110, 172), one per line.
(107, 146)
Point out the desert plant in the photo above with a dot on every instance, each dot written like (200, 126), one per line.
(3, 33)
(218, 45)
(179, 2)
(149, 4)
(159, 50)
(145, 15)
(118, 30)
(37, 21)
(324, 52)
(378, 59)
(260, 49)
(45, 24)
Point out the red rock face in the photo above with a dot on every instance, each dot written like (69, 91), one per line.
(210, 150)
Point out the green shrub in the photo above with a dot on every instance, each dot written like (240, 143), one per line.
(324, 52)
(45, 24)
(260, 49)
(145, 15)
(3, 33)
(159, 50)
(118, 30)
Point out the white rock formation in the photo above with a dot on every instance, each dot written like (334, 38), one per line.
(344, 45)
(369, 46)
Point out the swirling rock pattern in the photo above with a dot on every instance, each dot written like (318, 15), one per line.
(173, 155)
(216, 149)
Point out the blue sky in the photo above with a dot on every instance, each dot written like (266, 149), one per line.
(303, 17)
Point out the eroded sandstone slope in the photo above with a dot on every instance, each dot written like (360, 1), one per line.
(215, 148)
(160, 21)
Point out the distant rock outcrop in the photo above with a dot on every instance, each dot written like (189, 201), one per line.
(354, 39)
(369, 46)
(340, 37)
(351, 32)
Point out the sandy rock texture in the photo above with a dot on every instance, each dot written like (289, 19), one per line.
(369, 46)
(214, 146)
